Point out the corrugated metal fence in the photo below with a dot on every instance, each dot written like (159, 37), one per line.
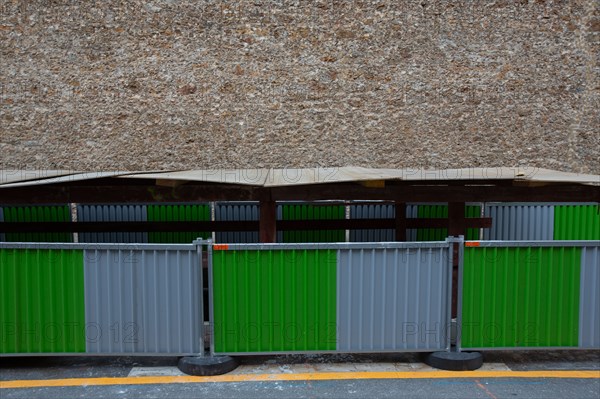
(47, 213)
(300, 298)
(101, 299)
(111, 299)
(510, 221)
(233, 211)
(530, 294)
(519, 222)
(303, 211)
(112, 213)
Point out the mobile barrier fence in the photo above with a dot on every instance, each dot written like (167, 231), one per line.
(147, 299)
(346, 297)
(529, 295)
(101, 299)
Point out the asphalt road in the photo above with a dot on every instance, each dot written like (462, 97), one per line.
(544, 374)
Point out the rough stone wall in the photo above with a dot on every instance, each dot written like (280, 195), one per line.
(140, 85)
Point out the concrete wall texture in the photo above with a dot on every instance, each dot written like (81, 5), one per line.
(128, 84)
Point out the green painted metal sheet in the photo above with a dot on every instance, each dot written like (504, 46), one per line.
(577, 222)
(314, 212)
(521, 297)
(51, 213)
(441, 211)
(267, 301)
(178, 213)
(43, 308)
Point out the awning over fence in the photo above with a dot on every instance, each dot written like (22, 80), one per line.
(267, 186)
(295, 177)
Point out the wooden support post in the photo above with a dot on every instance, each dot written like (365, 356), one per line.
(268, 220)
(456, 219)
(400, 221)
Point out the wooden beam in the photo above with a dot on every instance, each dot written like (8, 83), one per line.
(138, 193)
(400, 221)
(286, 225)
(268, 221)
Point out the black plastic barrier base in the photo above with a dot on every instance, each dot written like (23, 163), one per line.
(205, 366)
(455, 361)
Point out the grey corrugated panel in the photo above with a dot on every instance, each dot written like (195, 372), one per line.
(589, 302)
(372, 211)
(393, 299)
(143, 301)
(412, 211)
(228, 211)
(112, 213)
(2, 238)
(380, 211)
(519, 222)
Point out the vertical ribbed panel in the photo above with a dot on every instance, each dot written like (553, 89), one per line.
(520, 297)
(274, 300)
(441, 211)
(589, 307)
(178, 213)
(393, 299)
(50, 213)
(380, 211)
(412, 211)
(143, 301)
(519, 222)
(234, 211)
(372, 211)
(311, 212)
(42, 307)
(577, 222)
(112, 213)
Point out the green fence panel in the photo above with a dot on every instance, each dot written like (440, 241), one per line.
(51, 213)
(441, 211)
(178, 213)
(577, 222)
(314, 212)
(270, 301)
(43, 308)
(520, 297)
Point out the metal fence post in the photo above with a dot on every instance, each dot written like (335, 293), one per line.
(211, 310)
(461, 261)
(199, 242)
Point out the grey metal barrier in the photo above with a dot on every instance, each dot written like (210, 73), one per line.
(101, 299)
(344, 297)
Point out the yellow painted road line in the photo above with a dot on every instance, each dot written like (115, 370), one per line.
(361, 375)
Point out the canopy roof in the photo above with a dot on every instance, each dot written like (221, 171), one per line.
(296, 177)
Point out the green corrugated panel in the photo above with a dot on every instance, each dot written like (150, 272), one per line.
(267, 301)
(520, 297)
(577, 222)
(314, 212)
(441, 211)
(178, 213)
(43, 308)
(53, 213)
